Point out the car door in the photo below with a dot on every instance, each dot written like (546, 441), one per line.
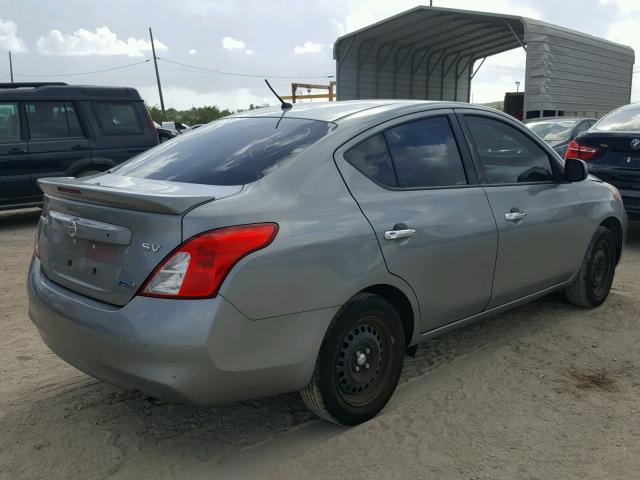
(15, 181)
(538, 215)
(57, 144)
(417, 187)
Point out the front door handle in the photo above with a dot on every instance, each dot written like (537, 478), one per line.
(79, 147)
(17, 150)
(399, 234)
(514, 216)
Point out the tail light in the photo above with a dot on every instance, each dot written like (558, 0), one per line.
(580, 152)
(197, 268)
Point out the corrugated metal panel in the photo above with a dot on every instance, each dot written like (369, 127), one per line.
(429, 52)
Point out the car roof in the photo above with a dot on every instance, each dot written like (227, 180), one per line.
(62, 91)
(342, 110)
(558, 119)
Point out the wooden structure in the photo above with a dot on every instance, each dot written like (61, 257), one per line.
(331, 92)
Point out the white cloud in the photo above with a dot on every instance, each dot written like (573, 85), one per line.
(193, 51)
(625, 6)
(182, 98)
(308, 47)
(101, 42)
(248, 51)
(229, 43)
(9, 39)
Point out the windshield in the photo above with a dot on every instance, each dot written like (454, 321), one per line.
(553, 131)
(626, 119)
(233, 151)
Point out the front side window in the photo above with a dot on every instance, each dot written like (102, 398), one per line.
(117, 118)
(506, 154)
(425, 154)
(233, 151)
(51, 120)
(9, 122)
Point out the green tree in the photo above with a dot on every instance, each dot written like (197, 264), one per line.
(190, 117)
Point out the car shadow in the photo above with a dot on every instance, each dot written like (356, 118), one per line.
(19, 219)
(83, 409)
(88, 413)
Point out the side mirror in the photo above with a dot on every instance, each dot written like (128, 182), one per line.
(575, 170)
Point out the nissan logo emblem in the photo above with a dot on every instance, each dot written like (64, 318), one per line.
(72, 228)
(635, 143)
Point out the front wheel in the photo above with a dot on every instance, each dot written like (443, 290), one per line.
(359, 363)
(593, 282)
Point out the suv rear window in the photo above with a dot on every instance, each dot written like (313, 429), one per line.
(117, 118)
(233, 151)
(626, 119)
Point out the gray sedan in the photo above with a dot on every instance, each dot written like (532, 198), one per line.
(309, 249)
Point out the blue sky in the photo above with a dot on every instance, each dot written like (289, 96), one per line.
(255, 37)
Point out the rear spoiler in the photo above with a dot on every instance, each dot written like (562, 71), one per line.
(135, 193)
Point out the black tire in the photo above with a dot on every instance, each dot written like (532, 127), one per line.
(359, 363)
(593, 282)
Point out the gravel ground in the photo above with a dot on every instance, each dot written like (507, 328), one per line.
(545, 391)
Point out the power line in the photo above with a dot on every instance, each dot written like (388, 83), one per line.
(110, 69)
(236, 74)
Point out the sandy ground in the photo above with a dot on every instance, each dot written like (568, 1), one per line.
(547, 391)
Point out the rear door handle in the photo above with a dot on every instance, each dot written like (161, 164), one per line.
(514, 216)
(79, 147)
(399, 234)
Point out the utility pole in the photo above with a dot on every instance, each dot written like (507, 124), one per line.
(155, 63)
(517, 87)
(10, 66)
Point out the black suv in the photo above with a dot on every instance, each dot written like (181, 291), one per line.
(55, 129)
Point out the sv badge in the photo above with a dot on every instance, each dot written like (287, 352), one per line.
(150, 247)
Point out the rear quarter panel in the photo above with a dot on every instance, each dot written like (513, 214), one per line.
(324, 253)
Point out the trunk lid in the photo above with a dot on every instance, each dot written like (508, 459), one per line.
(102, 236)
(617, 161)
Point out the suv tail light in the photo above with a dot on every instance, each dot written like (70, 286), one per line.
(197, 268)
(580, 152)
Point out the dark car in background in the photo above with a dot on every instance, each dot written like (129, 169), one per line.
(559, 131)
(55, 129)
(611, 149)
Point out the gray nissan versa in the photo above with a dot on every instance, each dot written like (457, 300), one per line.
(308, 249)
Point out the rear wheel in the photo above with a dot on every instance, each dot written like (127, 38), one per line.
(593, 282)
(359, 363)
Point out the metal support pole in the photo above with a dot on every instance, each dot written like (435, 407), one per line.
(155, 63)
(10, 66)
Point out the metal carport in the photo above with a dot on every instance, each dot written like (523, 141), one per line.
(429, 53)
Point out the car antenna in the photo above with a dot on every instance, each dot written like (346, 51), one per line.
(285, 105)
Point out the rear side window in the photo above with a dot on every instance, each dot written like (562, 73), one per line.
(233, 151)
(507, 155)
(626, 119)
(117, 118)
(48, 120)
(9, 122)
(425, 154)
(372, 158)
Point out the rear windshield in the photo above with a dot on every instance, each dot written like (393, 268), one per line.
(624, 120)
(233, 151)
(553, 131)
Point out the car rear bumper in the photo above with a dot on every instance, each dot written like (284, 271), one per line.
(199, 351)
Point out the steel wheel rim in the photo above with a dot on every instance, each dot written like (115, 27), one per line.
(362, 361)
(601, 268)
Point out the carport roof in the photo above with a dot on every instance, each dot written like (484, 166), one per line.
(480, 34)
(429, 52)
